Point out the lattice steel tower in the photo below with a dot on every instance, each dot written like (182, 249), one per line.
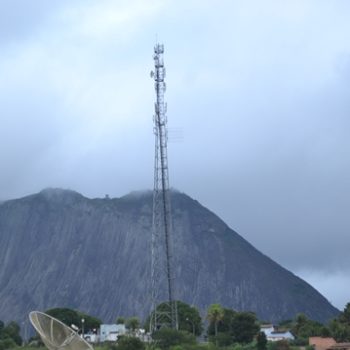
(162, 274)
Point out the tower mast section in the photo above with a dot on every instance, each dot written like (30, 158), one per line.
(162, 274)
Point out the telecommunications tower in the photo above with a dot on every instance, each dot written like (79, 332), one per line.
(162, 274)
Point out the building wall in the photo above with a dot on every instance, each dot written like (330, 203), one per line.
(110, 332)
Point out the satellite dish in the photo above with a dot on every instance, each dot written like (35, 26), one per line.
(55, 334)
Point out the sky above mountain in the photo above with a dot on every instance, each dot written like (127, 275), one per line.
(258, 111)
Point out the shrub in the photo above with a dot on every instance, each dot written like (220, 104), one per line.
(130, 343)
(167, 337)
(7, 343)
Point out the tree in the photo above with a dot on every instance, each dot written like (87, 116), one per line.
(261, 341)
(225, 324)
(9, 335)
(224, 328)
(300, 322)
(132, 324)
(285, 323)
(244, 327)
(305, 328)
(340, 326)
(215, 314)
(65, 315)
(12, 331)
(69, 317)
(339, 331)
(120, 320)
(7, 343)
(282, 345)
(223, 339)
(188, 317)
(130, 343)
(231, 326)
(168, 337)
(325, 332)
(344, 316)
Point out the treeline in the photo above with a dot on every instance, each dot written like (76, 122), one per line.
(228, 327)
(225, 328)
(233, 330)
(303, 328)
(74, 317)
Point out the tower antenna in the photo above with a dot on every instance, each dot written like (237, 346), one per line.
(162, 274)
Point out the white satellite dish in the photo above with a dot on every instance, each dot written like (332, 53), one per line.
(55, 334)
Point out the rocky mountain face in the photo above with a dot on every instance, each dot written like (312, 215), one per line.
(60, 249)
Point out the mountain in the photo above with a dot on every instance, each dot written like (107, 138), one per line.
(61, 249)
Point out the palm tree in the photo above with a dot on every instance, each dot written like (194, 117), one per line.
(215, 314)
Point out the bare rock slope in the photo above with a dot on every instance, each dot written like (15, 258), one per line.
(58, 248)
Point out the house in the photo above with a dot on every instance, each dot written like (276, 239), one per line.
(110, 332)
(274, 334)
(267, 328)
(91, 337)
(320, 343)
(280, 335)
(340, 346)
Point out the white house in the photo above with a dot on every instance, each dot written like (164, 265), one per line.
(91, 337)
(273, 334)
(110, 332)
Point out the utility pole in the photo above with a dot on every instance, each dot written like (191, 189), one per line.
(162, 274)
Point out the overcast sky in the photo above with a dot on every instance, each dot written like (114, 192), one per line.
(258, 110)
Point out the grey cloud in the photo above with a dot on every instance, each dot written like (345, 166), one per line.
(284, 183)
(20, 18)
(260, 94)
